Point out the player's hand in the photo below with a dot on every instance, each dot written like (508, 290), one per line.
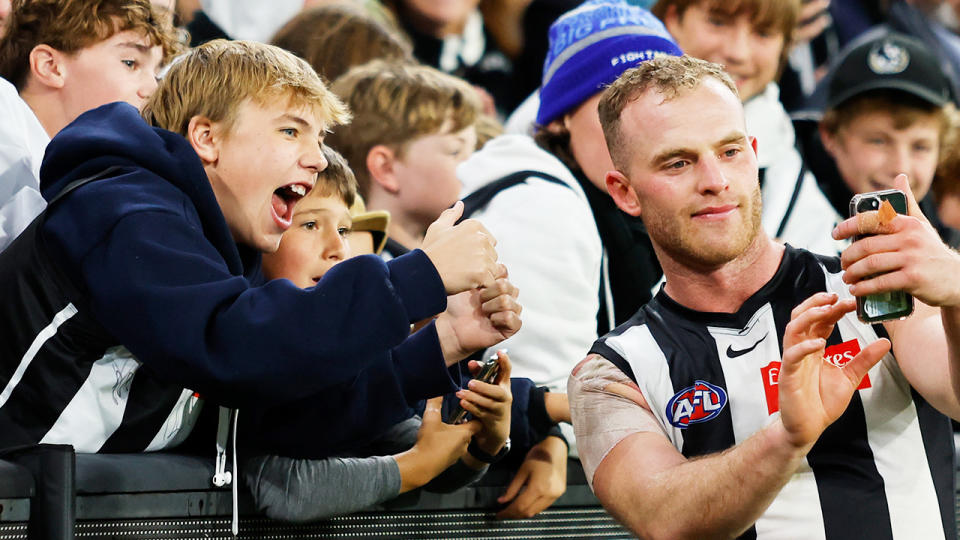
(540, 480)
(478, 319)
(490, 404)
(814, 393)
(905, 254)
(463, 254)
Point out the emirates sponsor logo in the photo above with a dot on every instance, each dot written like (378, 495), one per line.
(839, 355)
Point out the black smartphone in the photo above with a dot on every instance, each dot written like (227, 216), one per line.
(890, 305)
(489, 369)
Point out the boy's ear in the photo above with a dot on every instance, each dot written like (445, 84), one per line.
(380, 164)
(204, 137)
(558, 125)
(619, 188)
(829, 140)
(47, 67)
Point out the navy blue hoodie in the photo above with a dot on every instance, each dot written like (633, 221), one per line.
(154, 268)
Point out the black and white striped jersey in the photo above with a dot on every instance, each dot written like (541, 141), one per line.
(884, 469)
(64, 379)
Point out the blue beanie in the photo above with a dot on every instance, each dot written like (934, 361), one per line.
(590, 47)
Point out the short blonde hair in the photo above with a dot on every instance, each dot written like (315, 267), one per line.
(394, 103)
(668, 75)
(213, 79)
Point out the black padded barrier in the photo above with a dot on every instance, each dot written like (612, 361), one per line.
(53, 504)
(168, 496)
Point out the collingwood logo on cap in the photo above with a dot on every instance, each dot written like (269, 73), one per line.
(887, 58)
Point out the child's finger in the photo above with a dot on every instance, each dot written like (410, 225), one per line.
(496, 397)
(472, 427)
(514, 488)
(431, 413)
(474, 367)
(501, 286)
(504, 302)
(506, 321)
(449, 216)
(506, 367)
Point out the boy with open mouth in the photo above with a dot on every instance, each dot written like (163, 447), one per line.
(140, 285)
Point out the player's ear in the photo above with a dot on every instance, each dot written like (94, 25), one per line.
(381, 164)
(623, 194)
(205, 137)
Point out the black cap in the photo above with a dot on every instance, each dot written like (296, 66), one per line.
(890, 61)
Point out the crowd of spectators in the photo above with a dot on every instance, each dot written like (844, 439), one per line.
(273, 213)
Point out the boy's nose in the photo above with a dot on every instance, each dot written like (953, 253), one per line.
(336, 247)
(147, 87)
(736, 48)
(314, 159)
(898, 161)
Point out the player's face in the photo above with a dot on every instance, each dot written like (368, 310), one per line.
(122, 67)
(263, 165)
(694, 172)
(751, 55)
(314, 244)
(870, 152)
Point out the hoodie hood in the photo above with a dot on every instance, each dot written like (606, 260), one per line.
(116, 135)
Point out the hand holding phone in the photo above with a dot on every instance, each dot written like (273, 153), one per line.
(489, 369)
(889, 305)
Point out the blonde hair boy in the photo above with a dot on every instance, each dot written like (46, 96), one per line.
(245, 70)
(412, 126)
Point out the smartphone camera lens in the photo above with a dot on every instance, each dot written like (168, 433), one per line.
(870, 203)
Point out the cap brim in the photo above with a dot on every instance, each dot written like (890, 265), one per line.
(908, 87)
(376, 222)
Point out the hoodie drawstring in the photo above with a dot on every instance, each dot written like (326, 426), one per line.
(227, 427)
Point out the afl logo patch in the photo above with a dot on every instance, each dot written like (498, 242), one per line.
(698, 403)
(888, 58)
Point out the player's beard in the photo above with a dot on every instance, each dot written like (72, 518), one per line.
(686, 243)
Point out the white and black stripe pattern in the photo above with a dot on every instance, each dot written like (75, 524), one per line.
(64, 379)
(884, 469)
